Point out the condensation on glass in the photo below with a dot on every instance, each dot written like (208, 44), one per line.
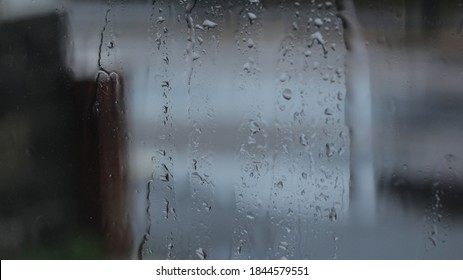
(239, 144)
(238, 134)
(252, 129)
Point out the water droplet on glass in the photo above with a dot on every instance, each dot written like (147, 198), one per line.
(247, 67)
(207, 207)
(165, 173)
(250, 216)
(164, 177)
(250, 43)
(287, 94)
(318, 22)
(252, 16)
(195, 56)
(295, 26)
(290, 212)
(209, 24)
(330, 149)
(254, 127)
(318, 37)
(201, 253)
(333, 216)
(284, 77)
(433, 241)
(303, 140)
(405, 167)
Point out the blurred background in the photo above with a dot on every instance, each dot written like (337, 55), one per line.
(253, 129)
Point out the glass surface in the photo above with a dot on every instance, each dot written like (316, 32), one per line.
(231, 129)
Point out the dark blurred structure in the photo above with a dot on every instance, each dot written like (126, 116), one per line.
(415, 50)
(48, 157)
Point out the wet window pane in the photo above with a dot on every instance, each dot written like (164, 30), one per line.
(246, 154)
(231, 129)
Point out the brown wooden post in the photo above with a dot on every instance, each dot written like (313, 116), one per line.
(110, 111)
